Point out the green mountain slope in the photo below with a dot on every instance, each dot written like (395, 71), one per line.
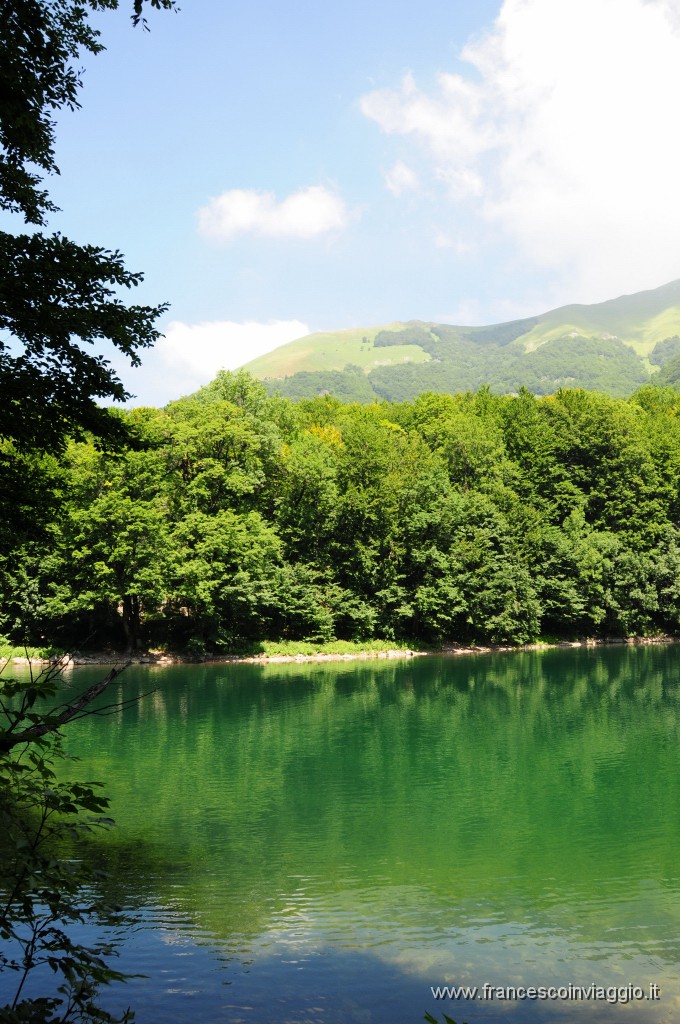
(640, 320)
(610, 346)
(333, 351)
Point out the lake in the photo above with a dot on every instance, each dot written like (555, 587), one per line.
(326, 842)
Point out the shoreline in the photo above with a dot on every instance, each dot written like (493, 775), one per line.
(77, 659)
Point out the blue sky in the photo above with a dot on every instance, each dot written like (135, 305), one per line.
(278, 169)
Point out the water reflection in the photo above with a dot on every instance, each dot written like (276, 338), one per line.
(377, 828)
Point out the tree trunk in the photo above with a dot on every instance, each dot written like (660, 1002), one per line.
(131, 621)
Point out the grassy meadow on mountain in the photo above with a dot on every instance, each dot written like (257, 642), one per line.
(613, 346)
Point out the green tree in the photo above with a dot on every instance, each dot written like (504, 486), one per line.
(59, 301)
(56, 296)
(462, 578)
(227, 572)
(307, 494)
(112, 560)
(466, 430)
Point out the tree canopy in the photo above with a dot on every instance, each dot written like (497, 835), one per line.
(236, 518)
(60, 301)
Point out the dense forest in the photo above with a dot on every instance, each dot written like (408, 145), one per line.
(231, 516)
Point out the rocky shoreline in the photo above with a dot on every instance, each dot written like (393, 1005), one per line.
(76, 658)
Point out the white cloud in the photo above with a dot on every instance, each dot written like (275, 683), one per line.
(562, 137)
(306, 214)
(401, 178)
(190, 355)
(193, 353)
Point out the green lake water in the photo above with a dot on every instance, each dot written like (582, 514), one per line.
(323, 843)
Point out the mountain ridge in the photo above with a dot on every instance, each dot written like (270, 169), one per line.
(615, 346)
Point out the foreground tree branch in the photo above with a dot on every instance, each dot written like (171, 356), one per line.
(49, 882)
(51, 722)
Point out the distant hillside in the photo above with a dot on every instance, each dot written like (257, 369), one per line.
(611, 346)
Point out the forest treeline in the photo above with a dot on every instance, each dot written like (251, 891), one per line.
(232, 516)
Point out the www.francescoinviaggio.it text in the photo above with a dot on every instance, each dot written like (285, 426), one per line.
(606, 993)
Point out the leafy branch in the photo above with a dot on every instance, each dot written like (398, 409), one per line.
(48, 883)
